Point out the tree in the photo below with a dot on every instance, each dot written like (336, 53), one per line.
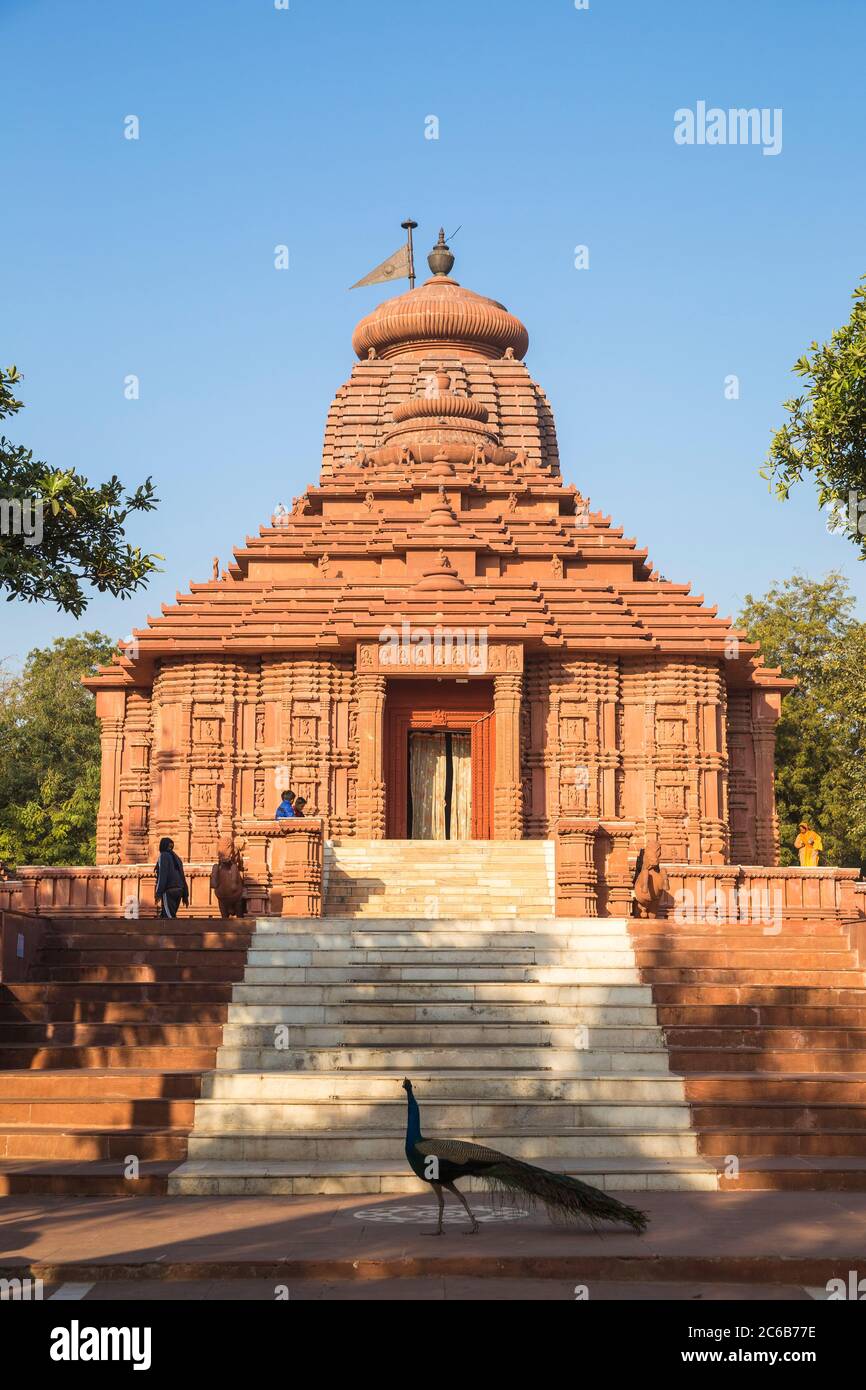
(57, 532)
(807, 627)
(826, 432)
(49, 773)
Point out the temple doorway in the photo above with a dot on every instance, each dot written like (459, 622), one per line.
(439, 795)
(439, 743)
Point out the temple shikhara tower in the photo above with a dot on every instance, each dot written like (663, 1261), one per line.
(442, 639)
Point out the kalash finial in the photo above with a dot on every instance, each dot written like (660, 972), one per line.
(441, 259)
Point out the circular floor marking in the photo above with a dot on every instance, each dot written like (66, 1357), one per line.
(422, 1216)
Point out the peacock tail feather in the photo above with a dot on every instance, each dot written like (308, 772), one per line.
(565, 1199)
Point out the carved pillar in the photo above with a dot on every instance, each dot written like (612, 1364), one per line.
(615, 869)
(135, 780)
(370, 795)
(766, 707)
(508, 790)
(576, 871)
(111, 710)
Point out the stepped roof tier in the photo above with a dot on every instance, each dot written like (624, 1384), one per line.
(440, 501)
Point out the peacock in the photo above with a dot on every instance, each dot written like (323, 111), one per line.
(440, 1162)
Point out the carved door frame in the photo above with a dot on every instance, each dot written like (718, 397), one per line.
(439, 705)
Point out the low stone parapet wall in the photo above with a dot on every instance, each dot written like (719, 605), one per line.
(282, 875)
(595, 865)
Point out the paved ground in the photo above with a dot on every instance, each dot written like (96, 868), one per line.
(700, 1246)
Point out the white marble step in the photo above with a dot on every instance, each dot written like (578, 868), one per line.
(414, 1057)
(241, 1114)
(208, 1177)
(429, 1033)
(478, 926)
(365, 940)
(343, 974)
(441, 991)
(285, 957)
(456, 1011)
(533, 1148)
(461, 1088)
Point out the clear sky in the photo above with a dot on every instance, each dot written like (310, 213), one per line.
(306, 127)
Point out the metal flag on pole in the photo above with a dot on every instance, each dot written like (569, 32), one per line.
(401, 264)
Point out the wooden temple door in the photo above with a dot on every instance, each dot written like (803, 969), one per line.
(439, 707)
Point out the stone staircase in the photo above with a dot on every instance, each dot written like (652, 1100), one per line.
(428, 879)
(768, 1030)
(532, 1035)
(103, 1050)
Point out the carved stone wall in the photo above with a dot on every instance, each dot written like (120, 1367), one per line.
(571, 763)
(214, 747)
(641, 740)
(675, 756)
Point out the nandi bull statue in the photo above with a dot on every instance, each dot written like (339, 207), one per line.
(227, 878)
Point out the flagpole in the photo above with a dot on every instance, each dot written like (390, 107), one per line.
(409, 224)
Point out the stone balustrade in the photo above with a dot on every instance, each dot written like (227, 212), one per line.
(282, 873)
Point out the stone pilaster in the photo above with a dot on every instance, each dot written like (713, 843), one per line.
(766, 706)
(111, 710)
(507, 786)
(370, 794)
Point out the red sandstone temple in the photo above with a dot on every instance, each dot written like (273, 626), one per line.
(441, 640)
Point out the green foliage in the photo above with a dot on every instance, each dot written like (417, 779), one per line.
(826, 432)
(806, 627)
(50, 766)
(82, 540)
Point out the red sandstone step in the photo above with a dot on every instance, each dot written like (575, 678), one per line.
(756, 995)
(668, 930)
(59, 1178)
(146, 941)
(766, 1143)
(817, 1118)
(767, 1038)
(766, 1015)
(812, 1174)
(85, 1112)
(207, 971)
(182, 991)
(756, 1059)
(133, 1083)
(112, 1034)
(227, 965)
(776, 958)
(802, 1090)
(718, 975)
(93, 1144)
(63, 1056)
(113, 1011)
(153, 924)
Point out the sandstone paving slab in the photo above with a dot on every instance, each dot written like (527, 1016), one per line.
(753, 1236)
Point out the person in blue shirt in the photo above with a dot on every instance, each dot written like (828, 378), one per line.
(286, 808)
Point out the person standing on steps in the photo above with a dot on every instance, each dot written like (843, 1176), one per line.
(286, 808)
(300, 806)
(171, 885)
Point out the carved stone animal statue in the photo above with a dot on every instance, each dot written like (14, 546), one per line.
(227, 879)
(651, 880)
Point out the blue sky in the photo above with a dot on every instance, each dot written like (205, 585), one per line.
(306, 127)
